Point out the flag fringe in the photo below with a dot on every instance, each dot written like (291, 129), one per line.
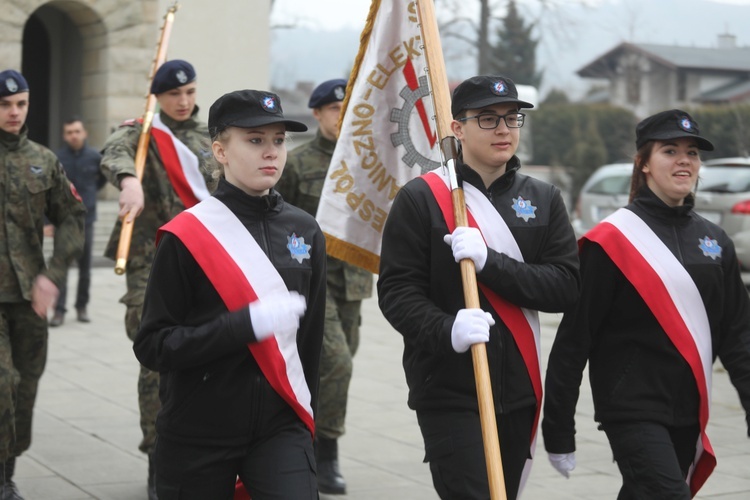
(364, 41)
(351, 253)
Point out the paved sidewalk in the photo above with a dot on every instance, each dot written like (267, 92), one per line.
(86, 428)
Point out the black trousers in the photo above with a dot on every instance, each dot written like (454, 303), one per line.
(455, 451)
(653, 459)
(279, 465)
(84, 275)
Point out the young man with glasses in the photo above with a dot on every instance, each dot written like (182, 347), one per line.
(525, 255)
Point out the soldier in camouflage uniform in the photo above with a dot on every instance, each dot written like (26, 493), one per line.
(32, 186)
(155, 202)
(301, 185)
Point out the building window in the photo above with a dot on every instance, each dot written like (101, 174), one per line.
(633, 83)
(681, 86)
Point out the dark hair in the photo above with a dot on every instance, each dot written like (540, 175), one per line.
(638, 179)
(73, 119)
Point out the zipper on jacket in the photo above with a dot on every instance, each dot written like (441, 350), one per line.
(679, 246)
(265, 239)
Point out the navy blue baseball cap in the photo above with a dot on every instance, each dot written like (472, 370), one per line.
(12, 82)
(480, 91)
(671, 124)
(172, 74)
(248, 109)
(328, 92)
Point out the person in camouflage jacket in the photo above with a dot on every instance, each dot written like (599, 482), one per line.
(301, 185)
(154, 202)
(33, 186)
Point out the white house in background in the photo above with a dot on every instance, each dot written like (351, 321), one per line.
(648, 78)
(92, 57)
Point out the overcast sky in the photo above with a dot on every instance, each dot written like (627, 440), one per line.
(323, 35)
(331, 15)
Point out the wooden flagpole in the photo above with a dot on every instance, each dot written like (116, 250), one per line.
(126, 232)
(448, 144)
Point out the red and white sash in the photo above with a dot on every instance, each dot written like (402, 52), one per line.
(180, 163)
(672, 296)
(523, 323)
(241, 273)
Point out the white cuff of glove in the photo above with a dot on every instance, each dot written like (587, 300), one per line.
(471, 326)
(278, 314)
(468, 243)
(564, 463)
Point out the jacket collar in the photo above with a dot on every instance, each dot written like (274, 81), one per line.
(173, 124)
(468, 174)
(323, 144)
(14, 141)
(648, 201)
(244, 204)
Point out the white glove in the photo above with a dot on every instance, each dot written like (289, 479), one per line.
(468, 243)
(472, 326)
(277, 314)
(563, 462)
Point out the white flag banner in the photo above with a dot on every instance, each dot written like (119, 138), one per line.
(387, 134)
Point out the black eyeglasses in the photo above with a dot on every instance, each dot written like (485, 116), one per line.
(489, 122)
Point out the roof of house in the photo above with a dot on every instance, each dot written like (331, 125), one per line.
(736, 59)
(736, 91)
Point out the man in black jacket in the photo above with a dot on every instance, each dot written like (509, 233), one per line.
(525, 255)
(81, 164)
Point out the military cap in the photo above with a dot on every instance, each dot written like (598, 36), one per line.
(12, 82)
(328, 92)
(480, 91)
(172, 74)
(248, 109)
(671, 124)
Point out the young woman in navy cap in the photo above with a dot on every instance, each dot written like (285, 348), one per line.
(661, 298)
(233, 320)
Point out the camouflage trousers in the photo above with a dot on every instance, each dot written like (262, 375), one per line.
(23, 354)
(148, 381)
(340, 343)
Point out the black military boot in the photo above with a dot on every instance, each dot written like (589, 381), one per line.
(8, 489)
(329, 477)
(151, 485)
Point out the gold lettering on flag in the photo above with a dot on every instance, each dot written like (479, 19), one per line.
(387, 134)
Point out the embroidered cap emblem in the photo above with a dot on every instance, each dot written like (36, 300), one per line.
(12, 85)
(686, 125)
(181, 76)
(500, 87)
(269, 104)
(524, 209)
(339, 93)
(298, 249)
(709, 247)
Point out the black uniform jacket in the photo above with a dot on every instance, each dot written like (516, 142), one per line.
(212, 390)
(636, 372)
(420, 288)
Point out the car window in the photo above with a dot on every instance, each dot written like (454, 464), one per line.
(615, 185)
(724, 179)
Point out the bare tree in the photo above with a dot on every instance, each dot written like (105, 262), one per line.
(470, 25)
